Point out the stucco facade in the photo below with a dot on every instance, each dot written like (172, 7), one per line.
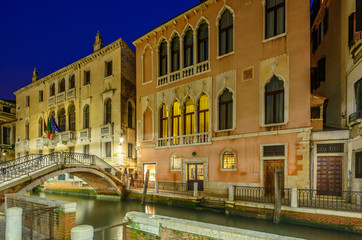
(94, 99)
(244, 72)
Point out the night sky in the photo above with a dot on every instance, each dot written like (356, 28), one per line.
(49, 34)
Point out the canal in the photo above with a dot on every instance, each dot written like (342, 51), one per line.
(99, 213)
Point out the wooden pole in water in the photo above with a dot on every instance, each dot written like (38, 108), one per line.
(277, 194)
(145, 187)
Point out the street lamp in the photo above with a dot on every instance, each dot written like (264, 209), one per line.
(121, 139)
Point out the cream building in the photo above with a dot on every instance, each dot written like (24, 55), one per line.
(7, 129)
(92, 101)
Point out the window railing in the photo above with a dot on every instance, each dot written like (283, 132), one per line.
(67, 136)
(84, 134)
(354, 116)
(51, 100)
(190, 71)
(106, 130)
(71, 93)
(61, 97)
(39, 142)
(197, 138)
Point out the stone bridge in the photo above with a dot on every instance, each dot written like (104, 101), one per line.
(28, 172)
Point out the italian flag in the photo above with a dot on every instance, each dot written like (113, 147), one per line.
(48, 128)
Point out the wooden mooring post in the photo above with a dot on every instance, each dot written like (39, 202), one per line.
(277, 195)
(145, 187)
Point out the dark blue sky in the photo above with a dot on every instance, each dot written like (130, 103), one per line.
(49, 34)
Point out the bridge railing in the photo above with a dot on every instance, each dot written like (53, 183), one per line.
(27, 167)
(19, 160)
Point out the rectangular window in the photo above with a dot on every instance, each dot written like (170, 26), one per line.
(274, 151)
(130, 150)
(86, 149)
(108, 149)
(6, 135)
(6, 109)
(274, 18)
(108, 69)
(86, 77)
(27, 101)
(358, 167)
(41, 96)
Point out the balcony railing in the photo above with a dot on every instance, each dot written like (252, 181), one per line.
(106, 130)
(190, 71)
(354, 116)
(355, 37)
(68, 136)
(61, 97)
(84, 134)
(51, 100)
(39, 142)
(198, 138)
(71, 94)
(26, 144)
(260, 194)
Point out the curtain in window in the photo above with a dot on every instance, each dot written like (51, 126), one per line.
(358, 95)
(72, 118)
(203, 42)
(176, 119)
(226, 110)
(163, 121)
(228, 160)
(203, 114)
(175, 51)
(188, 48)
(163, 59)
(226, 33)
(189, 117)
(274, 101)
(86, 117)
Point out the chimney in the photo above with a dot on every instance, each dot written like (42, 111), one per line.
(35, 75)
(98, 44)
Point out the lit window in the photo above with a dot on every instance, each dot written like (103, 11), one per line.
(176, 119)
(226, 110)
(274, 18)
(189, 117)
(163, 121)
(203, 111)
(274, 101)
(226, 33)
(175, 162)
(228, 159)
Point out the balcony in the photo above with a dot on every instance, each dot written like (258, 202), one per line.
(68, 137)
(190, 71)
(106, 130)
(61, 97)
(85, 135)
(54, 141)
(71, 94)
(26, 144)
(184, 140)
(51, 100)
(355, 37)
(39, 142)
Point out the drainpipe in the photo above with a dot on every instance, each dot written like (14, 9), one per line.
(311, 165)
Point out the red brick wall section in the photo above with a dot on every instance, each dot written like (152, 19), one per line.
(64, 224)
(134, 234)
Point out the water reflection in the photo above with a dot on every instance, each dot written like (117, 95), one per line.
(100, 212)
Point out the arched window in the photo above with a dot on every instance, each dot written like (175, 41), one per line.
(163, 59)
(175, 54)
(203, 43)
(176, 119)
(147, 124)
(203, 114)
(27, 135)
(86, 117)
(62, 120)
(163, 121)
(72, 82)
(61, 86)
(228, 160)
(226, 33)
(71, 115)
(274, 101)
(147, 64)
(175, 162)
(189, 117)
(188, 48)
(274, 18)
(52, 89)
(108, 111)
(226, 110)
(130, 115)
(40, 127)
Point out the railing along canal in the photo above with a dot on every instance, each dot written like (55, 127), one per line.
(25, 166)
(102, 230)
(260, 194)
(44, 218)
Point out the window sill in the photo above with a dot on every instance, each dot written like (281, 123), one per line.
(145, 83)
(109, 76)
(224, 130)
(175, 170)
(228, 169)
(274, 38)
(148, 140)
(225, 55)
(273, 124)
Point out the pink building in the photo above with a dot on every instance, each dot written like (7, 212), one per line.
(223, 94)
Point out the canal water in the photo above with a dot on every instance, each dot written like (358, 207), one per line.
(99, 213)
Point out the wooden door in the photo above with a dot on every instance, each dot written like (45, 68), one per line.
(329, 175)
(269, 169)
(195, 173)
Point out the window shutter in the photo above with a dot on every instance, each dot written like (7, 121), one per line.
(358, 15)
